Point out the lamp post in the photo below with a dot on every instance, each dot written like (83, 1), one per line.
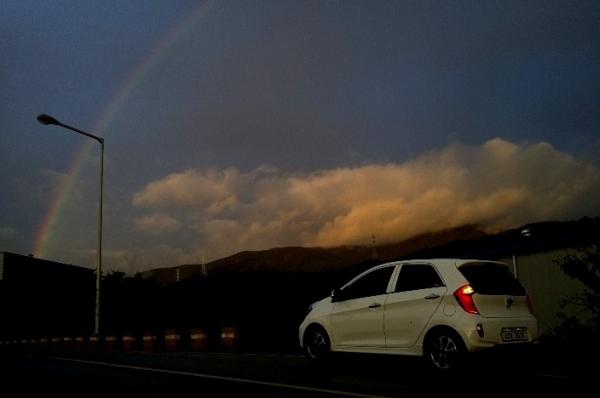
(525, 233)
(46, 120)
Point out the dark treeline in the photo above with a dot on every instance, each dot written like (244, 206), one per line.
(265, 307)
(39, 298)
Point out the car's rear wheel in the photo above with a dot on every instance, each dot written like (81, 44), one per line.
(317, 344)
(444, 350)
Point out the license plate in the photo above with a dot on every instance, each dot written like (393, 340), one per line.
(514, 334)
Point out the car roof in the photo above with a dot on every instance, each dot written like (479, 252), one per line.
(443, 262)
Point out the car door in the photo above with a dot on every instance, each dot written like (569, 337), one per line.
(357, 318)
(418, 292)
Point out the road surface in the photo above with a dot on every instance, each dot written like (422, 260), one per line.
(217, 374)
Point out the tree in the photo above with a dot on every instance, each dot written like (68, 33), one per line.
(583, 266)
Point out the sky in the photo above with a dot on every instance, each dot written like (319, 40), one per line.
(246, 125)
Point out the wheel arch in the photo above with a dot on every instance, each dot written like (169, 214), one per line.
(312, 326)
(440, 354)
(435, 330)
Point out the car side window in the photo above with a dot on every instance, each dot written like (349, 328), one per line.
(417, 276)
(372, 284)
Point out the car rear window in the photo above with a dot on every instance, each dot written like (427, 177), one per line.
(490, 278)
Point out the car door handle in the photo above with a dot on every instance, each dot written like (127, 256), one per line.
(375, 305)
(432, 296)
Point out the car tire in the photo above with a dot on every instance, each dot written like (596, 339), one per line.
(317, 344)
(444, 350)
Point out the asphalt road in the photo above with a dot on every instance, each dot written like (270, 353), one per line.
(261, 375)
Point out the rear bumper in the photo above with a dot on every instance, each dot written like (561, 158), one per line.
(491, 335)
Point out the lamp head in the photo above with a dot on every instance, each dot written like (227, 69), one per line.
(47, 119)
(526, 232)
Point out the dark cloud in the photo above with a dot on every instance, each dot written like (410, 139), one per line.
(307, 88)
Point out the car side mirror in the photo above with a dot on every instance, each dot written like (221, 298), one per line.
(336, 295)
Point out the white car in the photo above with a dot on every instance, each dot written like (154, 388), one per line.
(439, 308)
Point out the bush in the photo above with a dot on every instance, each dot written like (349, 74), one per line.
(583, 266)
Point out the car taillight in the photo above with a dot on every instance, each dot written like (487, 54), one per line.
(464, 296)
(530, 303)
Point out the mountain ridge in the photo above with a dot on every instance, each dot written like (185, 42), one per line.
(317, 259)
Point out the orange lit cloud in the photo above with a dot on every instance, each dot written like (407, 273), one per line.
(496, 185)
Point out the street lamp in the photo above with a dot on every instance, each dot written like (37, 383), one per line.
(525, 233)
(46, 120)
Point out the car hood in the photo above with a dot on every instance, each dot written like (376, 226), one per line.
(321, 305)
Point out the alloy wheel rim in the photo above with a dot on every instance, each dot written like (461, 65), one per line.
(444, 352)
(317, 345)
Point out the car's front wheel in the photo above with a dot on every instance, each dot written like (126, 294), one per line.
(444, 350)
(316, 343)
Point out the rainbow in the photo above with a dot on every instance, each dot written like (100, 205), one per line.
(115, 104)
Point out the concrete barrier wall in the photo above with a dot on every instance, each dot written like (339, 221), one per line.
(80, 342)
(128, 342)
(94, 343)
(548, 286)
(199, 340)
(149, 341)
(172, 340)
(226, 339)
(229, 339)
(111, 343)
